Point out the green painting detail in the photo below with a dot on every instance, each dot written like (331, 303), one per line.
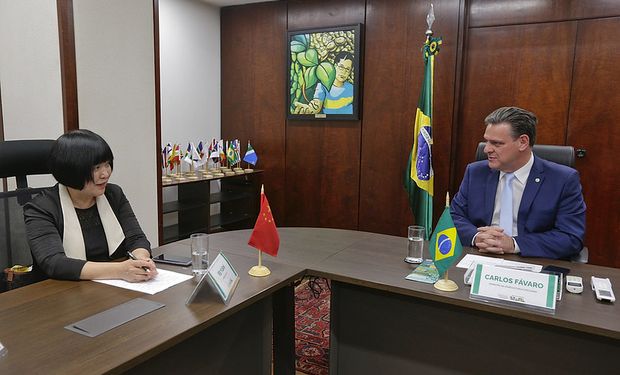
(322, 77)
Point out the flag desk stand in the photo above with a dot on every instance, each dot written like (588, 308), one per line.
(260, 270)
(191, 174)
(446, 284)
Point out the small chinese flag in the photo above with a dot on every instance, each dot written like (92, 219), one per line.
(265, 235)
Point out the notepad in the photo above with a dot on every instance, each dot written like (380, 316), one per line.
(164, 280)
(118, 315)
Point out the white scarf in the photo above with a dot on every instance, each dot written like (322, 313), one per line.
(73, 239)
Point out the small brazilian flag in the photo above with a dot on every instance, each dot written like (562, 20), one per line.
(445, 244)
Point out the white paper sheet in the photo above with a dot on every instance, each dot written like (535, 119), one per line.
(164, 280)
(468, 259)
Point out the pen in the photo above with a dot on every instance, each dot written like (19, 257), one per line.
(131, 256)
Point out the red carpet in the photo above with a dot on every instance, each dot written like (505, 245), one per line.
(312, 326)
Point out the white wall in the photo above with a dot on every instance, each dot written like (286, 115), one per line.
(189, 32)
(114, 48)
(30, 73)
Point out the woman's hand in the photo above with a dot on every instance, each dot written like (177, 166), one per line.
(137, 270)
(129, 270)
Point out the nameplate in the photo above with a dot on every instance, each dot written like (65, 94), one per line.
(223, 277)
(220, 276)
(514, 287)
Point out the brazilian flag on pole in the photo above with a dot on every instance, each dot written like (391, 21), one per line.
(419, 177)
(445, 246)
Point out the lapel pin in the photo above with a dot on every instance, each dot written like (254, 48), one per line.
(537, 179)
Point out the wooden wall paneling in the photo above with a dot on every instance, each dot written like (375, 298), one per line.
(157, 148)
(253, 89)
(393, 79)
(389, 106)
(68, 71)
(528, 66)
(323, 157)
(494, 12)
(593, 126)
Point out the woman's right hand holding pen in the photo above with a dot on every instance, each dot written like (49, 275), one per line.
(137, 270)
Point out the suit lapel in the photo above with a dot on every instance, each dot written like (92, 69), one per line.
(534, 181)
(489, 196)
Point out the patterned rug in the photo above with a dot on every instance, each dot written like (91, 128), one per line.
(312, 326)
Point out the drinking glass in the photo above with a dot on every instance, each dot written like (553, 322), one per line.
(415, 247)
(200, 252)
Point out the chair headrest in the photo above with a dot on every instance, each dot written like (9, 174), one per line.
(564, 155)
(25, 157)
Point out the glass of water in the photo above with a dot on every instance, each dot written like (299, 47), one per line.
(415, 249)
(200, 252)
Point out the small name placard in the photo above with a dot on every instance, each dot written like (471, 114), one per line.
(509, 286)
(223, 277)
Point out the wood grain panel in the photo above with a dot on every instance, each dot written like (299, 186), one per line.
(528, 66)
(67, 64)
(593, 126)
(323, 157)
(157, 65)
(494, 12)
(253, 84)
(309, 14)
(394, 70)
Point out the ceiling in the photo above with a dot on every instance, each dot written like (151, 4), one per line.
(225, 3)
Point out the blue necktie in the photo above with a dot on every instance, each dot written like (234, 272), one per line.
(505, 211)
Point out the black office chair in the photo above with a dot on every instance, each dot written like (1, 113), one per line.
(564, 155)
(19, 159)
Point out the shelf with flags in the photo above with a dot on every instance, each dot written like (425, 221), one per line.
(192, 205)
(220, 158)
(202, 178)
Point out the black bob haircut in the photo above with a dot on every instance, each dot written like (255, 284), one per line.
(74, 155)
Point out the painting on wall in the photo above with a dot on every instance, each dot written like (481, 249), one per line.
(324, 73)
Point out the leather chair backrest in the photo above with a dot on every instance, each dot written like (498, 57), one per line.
(19, 159)
(564, 155)
(24, 158)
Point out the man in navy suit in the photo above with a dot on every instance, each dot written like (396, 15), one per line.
(516, 202)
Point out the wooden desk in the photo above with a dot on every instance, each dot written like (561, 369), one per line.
(381, 322)
(206, 337)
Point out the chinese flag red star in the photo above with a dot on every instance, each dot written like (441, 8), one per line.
(265, 235)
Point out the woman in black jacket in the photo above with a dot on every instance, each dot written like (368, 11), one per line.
(83, 227)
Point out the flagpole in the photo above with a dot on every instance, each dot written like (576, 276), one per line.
(260, 270)
(446, 284)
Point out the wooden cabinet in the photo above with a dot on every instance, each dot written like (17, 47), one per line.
(210, 205)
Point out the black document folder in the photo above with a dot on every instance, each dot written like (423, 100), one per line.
(106, 320)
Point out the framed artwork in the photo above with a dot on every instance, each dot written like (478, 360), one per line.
(324, 73)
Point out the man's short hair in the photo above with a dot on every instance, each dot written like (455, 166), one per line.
(520, 121)
(74, 155)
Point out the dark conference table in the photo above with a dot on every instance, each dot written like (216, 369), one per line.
(380, 322)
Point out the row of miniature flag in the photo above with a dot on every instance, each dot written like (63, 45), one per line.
(218, 151)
